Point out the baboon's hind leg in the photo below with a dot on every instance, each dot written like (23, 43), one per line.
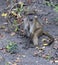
(37, 34)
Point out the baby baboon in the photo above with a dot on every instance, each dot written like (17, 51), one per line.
(35, 30)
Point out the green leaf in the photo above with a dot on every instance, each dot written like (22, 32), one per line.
(56, 8)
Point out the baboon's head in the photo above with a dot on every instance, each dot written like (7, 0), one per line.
(31, 19)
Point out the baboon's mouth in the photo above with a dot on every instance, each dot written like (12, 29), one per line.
(31, 19)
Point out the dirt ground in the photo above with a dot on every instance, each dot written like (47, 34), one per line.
(25, 57)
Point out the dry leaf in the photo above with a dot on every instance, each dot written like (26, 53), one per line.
(13, 13)
(46, 56)
(18, 60)
(1, 36)
(45, 44)
(14, 64)
(2, 27)
(43, 47)
(56, 61)
(37, 47)
(12, 33)
(19, 20)
(4, 14)
(22, 31)
(35, 53)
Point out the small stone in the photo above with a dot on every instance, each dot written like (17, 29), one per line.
(43, 47)
(17, 60)
(56, 61)
(9, 63)
(23, 56)
(12, 34)
(1, 58)
(35, 53)
(5, 23)
(51, 61)
(36, 61)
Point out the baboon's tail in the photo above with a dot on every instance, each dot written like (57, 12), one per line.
(50, 36)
